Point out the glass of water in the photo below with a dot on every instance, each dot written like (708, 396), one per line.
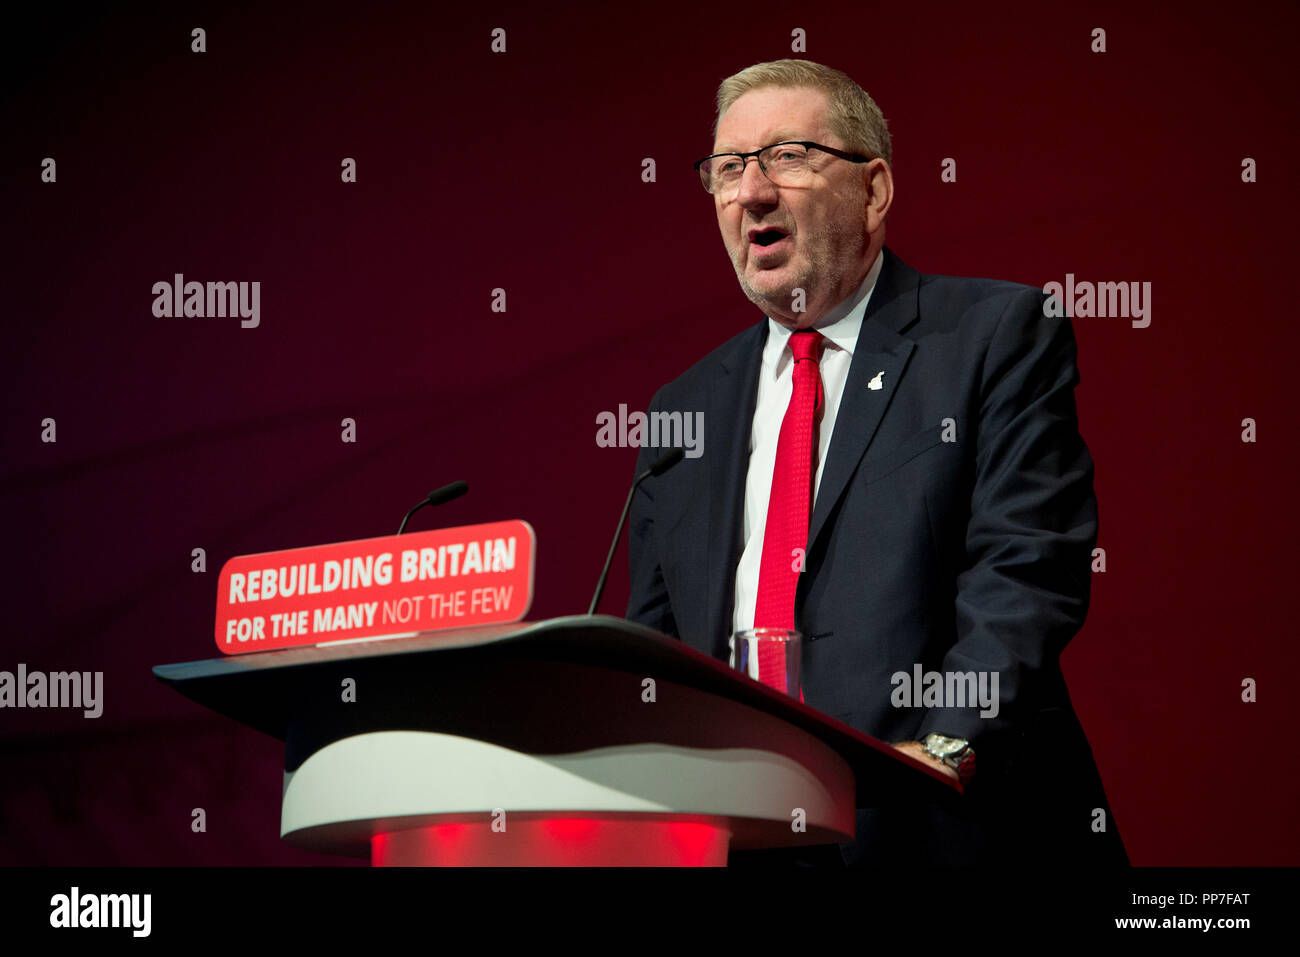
(771, 655)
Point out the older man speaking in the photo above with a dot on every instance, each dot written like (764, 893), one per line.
(896, 471)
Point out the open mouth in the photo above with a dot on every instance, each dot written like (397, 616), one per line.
(767, 237)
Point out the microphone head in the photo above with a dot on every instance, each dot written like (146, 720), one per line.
(667, 461)
(447, 493)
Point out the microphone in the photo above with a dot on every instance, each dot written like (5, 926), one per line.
(664, 463)
(437, 497)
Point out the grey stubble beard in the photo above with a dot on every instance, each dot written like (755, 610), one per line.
(821, 272)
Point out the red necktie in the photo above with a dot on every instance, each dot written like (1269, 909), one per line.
(790, 505)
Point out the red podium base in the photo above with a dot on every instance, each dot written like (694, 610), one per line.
(529, 840)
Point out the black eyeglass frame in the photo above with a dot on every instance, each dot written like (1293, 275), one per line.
(806, 144)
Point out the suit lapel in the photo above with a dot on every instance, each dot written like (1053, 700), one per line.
(879, 348)
(730, 415)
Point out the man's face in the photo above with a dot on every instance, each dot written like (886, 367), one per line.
(824, 251)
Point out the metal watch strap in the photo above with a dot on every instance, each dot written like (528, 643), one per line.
(961, 760)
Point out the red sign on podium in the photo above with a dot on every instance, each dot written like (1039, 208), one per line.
(376, 587)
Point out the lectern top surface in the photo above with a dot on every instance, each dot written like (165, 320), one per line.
(256, 689)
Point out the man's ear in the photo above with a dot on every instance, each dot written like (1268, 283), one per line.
(880, 193)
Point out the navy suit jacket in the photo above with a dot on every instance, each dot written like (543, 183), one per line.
(953, 529)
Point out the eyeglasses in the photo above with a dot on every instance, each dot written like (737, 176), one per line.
(785, 164)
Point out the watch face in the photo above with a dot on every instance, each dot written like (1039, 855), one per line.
(945, 747)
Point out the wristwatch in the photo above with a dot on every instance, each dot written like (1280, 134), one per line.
(954, 752)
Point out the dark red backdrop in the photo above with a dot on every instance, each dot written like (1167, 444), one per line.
(522, 171)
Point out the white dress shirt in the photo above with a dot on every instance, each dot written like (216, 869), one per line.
(840, 327)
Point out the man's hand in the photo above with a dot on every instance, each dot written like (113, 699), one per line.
(915, 749)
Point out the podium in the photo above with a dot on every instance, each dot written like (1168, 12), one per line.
(583, 740)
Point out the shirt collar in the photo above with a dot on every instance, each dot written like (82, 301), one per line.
(840, 325)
